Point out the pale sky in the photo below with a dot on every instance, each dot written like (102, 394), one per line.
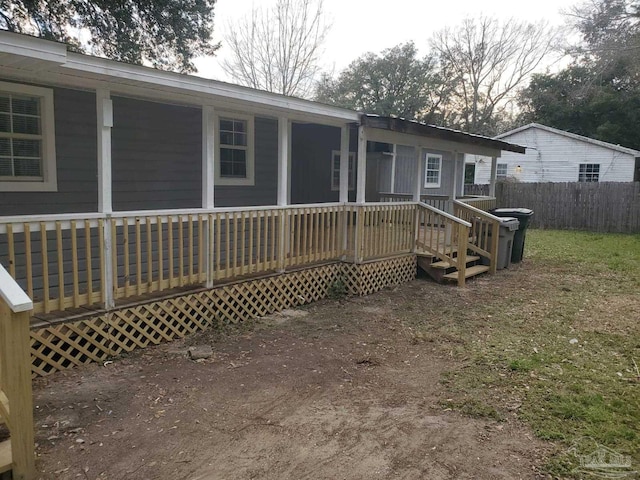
(361, 26)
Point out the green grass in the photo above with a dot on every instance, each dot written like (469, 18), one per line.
(555, 345)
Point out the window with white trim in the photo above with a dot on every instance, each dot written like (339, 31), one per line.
(235, 159)
(335, 170)
(432, 170)
(589, 172)
(27, 139)
(501, 170)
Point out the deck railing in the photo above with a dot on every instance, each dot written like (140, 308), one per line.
(444, 236)
(441, 202)
(484, 232)
(385, 229)
(74, 261)
(483, 203)
(16, 401)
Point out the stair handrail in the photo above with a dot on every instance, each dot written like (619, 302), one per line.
(15, 375)
(453, 218)
(459, 233)
(494, 221)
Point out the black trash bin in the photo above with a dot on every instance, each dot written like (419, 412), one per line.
(524, 217)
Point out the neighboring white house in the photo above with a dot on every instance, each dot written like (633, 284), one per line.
(556, 156)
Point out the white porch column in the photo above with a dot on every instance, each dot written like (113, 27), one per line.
(208, 156)
(492, 178)
(104, 111)
(417, 187)
(361, 183)
(393, 169)
(454, 181)
(344, 163)
(104, 108)
(283, 160)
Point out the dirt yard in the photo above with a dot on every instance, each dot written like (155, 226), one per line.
(335, 390)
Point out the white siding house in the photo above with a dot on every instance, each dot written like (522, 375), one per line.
(556, 156)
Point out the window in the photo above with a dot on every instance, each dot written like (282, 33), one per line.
(433, 166)
(501, 170)
(235, 159)
(335, 170)
(589, 172)
(27, 139)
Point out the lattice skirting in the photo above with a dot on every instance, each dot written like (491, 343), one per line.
(94, 339)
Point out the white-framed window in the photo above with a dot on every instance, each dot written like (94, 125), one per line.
(27, 139)
(432, 170)
(589, 172)
(235, 156)
(501, 170)
(335, 170)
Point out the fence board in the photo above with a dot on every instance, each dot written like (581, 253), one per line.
(598, 207)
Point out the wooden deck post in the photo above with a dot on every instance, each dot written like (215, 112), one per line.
(15, 375)
(417, 191)
(463, 240)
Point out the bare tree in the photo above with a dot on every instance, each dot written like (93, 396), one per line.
(278, 49)
(487, 62)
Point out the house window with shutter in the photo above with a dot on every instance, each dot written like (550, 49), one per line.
(27, 139)
(235, 163)
(589, 172)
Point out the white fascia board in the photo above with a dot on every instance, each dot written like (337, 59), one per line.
(139, 75)
(31, 47)
(387, 136)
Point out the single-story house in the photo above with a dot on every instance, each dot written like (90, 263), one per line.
(556, 156)
(137, 205)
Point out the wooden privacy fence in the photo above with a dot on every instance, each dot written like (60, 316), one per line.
(598, 207)
(16, 401)
(82, 260)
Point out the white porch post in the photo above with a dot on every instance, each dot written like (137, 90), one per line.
(417, 187)
(344, 163)
(393, 169)
(283, 160)
(104, 110)
(362, 165)
(208, 156)
(208, 185)
(492, 178)
(454, 183)
(283, 187)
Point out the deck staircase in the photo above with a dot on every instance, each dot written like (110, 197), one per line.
(443, 271)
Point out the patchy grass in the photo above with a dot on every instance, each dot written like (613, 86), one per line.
(557, 346)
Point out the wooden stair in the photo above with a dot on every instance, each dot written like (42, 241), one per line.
(6, 460)
(443, 271)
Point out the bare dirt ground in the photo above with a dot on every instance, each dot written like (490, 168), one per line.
(334, 390)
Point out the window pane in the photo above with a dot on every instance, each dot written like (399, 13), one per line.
(239, 126)
(4, 103)
(239, 163)
(26, 148)
(22, 124)
(240, 139)
(5, 122)
(25, 105)
(27, 167)
(5, 147)
(226, 138)
(6, 169)
(233, 163)
(226, 125)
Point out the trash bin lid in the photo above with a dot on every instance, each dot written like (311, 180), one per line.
(510, 222)
(513, 211)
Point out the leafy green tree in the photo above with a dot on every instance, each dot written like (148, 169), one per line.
(396, 82)
(165, 33)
